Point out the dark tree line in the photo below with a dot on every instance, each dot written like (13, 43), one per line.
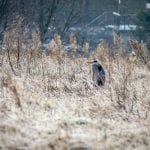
(143, 30)
(43, 15)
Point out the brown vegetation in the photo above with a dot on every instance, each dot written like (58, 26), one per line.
(62, 108)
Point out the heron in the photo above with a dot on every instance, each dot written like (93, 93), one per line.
(98, 72)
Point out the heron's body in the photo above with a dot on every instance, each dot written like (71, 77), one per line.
(98, 73)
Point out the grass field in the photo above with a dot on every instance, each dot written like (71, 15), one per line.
(51, 102)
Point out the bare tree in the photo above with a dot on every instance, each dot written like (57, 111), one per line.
(72, 17)
(47, 11)
(70, 12)
(3, 16)
(3, 4)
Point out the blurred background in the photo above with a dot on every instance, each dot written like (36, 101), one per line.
(90, 21)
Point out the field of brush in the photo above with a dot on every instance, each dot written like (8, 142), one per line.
(50, 101)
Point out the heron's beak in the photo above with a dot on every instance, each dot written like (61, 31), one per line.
(89, 62)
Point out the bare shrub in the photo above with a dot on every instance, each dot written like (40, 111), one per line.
(141, 52)
(8, 83)
(9, 47)
(14, 43)
(73, 43)
(121, 89)
(86, 48)
(56, 49)
(36, 45)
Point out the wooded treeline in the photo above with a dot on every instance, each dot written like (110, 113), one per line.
(43, 15)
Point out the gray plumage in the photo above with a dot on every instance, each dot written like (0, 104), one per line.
(98, 73)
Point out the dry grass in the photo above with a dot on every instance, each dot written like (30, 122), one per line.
(62, 108)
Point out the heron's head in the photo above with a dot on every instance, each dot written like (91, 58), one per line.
(92, 61)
